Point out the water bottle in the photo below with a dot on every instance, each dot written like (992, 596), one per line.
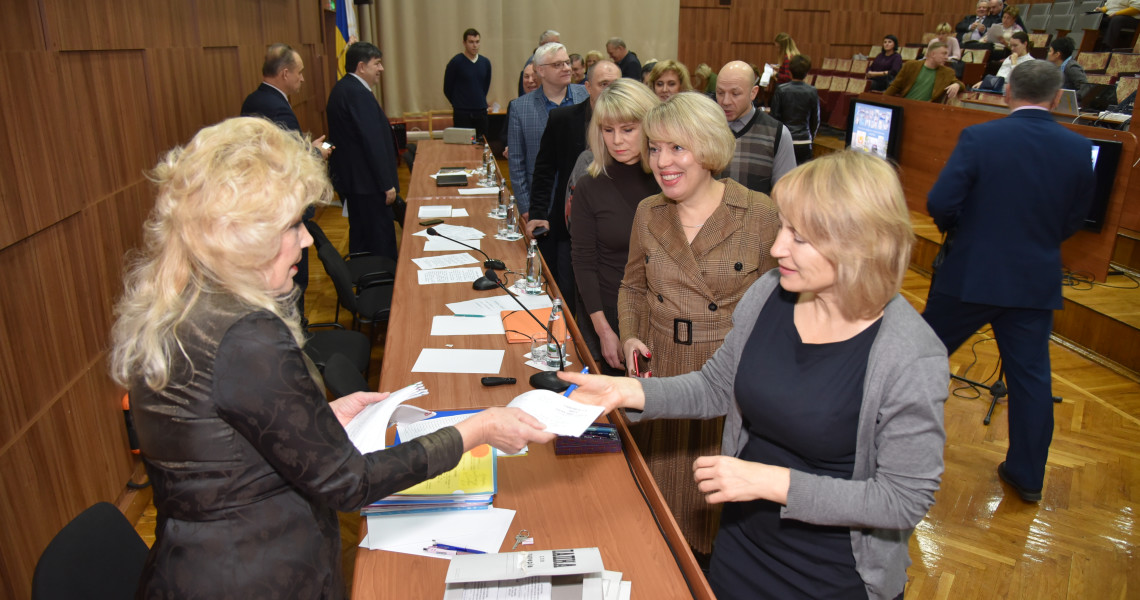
(533, 270)
(554, 343)
(500, 209)
(512, 214)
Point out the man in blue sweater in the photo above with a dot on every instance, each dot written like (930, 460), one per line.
(466, 82)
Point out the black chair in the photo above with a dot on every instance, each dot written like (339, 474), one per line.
(369, 302)
(362, 266)
(328, 339)
(98, 555)
(342, 378)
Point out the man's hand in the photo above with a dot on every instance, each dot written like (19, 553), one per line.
(390, 196)
(318, 145)
(535, 224)
(952, 91)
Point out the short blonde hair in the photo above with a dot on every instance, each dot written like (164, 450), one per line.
(665, 66)
(943, 29)
(224, 201)
(624, 101)
(694, 121)
(851, 206)
(593, 56)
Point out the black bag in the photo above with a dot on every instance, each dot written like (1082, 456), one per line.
(992, 83)
(399, 209)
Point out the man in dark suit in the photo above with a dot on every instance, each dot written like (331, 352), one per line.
(364, 166)
(562, 141)
(281, 76)
(1004, 264)
(625, 60)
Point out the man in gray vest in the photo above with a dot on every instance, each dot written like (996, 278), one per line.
(764, 150)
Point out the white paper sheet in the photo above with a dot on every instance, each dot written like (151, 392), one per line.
(438, 244)
(482, 530)
(460, 275)
(493, 305)
(367, 429)
(459, 212)
(453, 360)
(444, 261)
(449, 325)
(429, 211)
(561, 415)
(457, 232)
(478, 191)
(516, 565)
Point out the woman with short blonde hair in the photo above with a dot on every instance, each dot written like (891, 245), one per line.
(696, 122)
(669, 78)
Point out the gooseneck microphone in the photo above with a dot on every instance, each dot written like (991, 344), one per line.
(490, 263)
(543, 380)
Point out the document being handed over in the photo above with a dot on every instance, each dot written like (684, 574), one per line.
(561, 415)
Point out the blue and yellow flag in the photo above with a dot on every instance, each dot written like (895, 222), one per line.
(345, 29)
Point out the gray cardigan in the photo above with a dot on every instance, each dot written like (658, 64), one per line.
(898, 449)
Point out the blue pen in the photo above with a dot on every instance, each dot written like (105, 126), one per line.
(457, 548)
(574, 386)
(472, 316)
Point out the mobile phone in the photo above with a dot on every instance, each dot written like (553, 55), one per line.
(326, 146)
(641, 365)
(430, 222)
(540, 231)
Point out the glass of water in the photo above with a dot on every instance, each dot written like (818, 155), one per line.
(538, 350)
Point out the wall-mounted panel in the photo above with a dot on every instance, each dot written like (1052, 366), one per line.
(114, 118)
(280, 20)
(173, 78)
(222, 90)
(21, 27)
(117, 25)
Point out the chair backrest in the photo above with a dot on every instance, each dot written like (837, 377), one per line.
(875, 51)
(1060, 23)
(859, 67)
(823, 82)
(1039, 40)
(340, 275)
(342, 378)
(926, 37)
(319, 237)
(1088, 22)
(1094, 62)
(1123, 64)
(1038, 23)
(976, 56)
(828, 65)
(856, 85)
(1088, 6)
(1038, 10)
(809, 78)
(838, 84)
(908, 52)
(1062, 8)
(97, 555)
(1126, 86)
(1101, 78)
(843, 65)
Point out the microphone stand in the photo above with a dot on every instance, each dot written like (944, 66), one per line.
(483, 283)
(543, 380)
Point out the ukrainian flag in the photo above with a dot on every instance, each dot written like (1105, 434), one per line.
(346, 28)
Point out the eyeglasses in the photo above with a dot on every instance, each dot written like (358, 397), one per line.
(563, 64)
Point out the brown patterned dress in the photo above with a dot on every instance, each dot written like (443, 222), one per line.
(678, 298)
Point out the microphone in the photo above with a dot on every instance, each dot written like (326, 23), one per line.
(543, 380)
(490, 263)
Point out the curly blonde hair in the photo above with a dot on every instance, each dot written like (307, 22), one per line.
(223, 203)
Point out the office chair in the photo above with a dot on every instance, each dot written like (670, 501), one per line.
(98, 555)
(362, 266)
(342, 378)
(369, 303)
(327, 339)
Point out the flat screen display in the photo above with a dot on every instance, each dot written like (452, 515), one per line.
(1105, 160)
(874, 128)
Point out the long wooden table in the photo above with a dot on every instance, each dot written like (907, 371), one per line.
(604, 500)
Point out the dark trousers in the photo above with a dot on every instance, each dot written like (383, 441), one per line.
(301, 279)
(803, 153)
(1022, 336)
(476, 120)
(556, 252)
(371, 226)
(1113, 32)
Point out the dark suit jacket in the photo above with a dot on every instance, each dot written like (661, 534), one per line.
(562, 141)
(1010, 223)
(364, 162)
(266, 101)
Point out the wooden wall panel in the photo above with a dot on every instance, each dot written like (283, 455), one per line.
(704, 40)
(13, 226)
(228, 22)
(174, 76)
(20, 28)
(280, 21)
(310, 14)
(115, 117)
(221, 92)
(117, 25)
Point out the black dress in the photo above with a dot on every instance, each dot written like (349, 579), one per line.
(249, 464)
(800, 404)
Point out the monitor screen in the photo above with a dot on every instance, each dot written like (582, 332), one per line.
(1105, 159)
(874, 128)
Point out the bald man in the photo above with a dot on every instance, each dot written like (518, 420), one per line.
(764, 147)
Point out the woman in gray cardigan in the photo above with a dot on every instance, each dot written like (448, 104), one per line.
(833, 390)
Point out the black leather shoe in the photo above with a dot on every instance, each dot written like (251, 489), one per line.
(1026, 494)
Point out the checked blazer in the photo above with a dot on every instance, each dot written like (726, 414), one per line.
(526, 123)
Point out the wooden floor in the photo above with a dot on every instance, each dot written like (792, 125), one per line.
(979, 540)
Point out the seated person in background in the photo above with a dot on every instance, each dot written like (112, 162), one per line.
(704, 80)
(796, 105)
(943, 33)
(886, 65)
(1019, 53)
(928, 80)
(1061, 54)
(972, 28)
(1118, 15)
(669, 77)
(833, 390)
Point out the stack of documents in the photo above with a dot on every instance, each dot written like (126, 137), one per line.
(471, 485)
(571, 573)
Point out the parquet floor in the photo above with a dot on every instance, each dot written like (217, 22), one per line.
(980, 540)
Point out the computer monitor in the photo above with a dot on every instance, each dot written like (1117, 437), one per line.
(1105, 160)
(874, 128)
